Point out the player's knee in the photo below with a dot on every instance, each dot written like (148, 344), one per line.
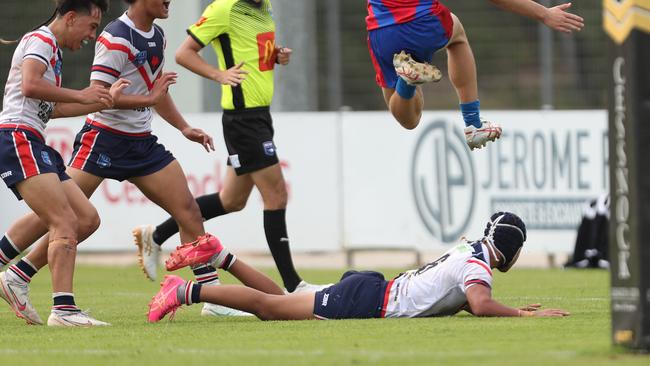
(89, 223)
(409, 123)
(264, 309)
(66, 225)
(233, 204)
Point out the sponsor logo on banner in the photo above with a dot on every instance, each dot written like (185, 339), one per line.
(443, 181)
(621, 200)
(545, 175)
(622, 16)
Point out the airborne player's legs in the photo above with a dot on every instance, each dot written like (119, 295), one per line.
(400, 51)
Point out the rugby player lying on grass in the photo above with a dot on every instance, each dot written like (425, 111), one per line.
(461, 279)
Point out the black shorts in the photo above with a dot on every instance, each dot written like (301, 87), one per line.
(249, 139)
(359, 295)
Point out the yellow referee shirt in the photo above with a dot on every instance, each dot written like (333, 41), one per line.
(241, 30)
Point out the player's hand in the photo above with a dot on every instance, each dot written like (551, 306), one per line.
(530, 307)
(116, 91)
(284, 55)
(95, 94)
(233, 76)
(551, 313)
(161, 86)
(199, 136)
(559, 19)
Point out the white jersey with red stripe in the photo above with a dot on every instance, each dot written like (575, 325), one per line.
(39, 45)
(123, 51)
(438, 288)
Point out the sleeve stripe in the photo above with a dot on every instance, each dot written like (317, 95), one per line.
(44, 39)
(106, 69)
(477, 282)
(195, 38)
(39, 56)
(481, 264)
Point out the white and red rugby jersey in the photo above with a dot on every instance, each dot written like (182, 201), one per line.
(123, 51)
(438, 288)
(17, 109)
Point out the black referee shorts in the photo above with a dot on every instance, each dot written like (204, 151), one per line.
(249, 139)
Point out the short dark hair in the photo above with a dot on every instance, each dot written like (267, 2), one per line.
(81, 6)
(64, 6)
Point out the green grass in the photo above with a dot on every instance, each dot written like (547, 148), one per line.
(120, 295)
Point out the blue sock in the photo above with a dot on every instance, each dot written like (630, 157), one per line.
(471, 114)
(404, 90)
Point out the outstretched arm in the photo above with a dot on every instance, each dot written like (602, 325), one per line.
(557, 17)
(480, 302)
(168, 111)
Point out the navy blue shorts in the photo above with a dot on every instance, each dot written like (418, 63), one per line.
(421, 38)
(112, 154)
(24, 154)
(358, 295)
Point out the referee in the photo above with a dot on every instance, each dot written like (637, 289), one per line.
(242, 33)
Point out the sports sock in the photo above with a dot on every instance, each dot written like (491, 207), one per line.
(471, 113)
(206, 275)
(189, 293)
(23, 271)
(8, 250)
(210, 206)
(64, 301)
(404, 89)
(224, 259)
(275, 228)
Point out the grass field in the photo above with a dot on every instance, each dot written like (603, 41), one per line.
(120, 295)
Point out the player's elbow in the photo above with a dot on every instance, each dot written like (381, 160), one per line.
(480, 308)
(29, 89)
(182, 56)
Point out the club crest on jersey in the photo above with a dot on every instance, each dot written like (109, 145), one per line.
(140, 58)
(269, 148)
(46, 158)
(58, 68)
(104, 161)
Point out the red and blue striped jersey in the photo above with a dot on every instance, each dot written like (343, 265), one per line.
(382, 13)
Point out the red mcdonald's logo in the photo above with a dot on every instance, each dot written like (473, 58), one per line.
(267, 53)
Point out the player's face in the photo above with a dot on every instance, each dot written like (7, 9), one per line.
(83, 27)
(158, 9)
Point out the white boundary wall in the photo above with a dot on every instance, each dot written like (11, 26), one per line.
(358, 180)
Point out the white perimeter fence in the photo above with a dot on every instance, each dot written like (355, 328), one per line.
(359, 181)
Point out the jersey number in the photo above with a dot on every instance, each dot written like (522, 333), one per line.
(428, 266)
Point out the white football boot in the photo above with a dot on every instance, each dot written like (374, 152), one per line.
(219, 310)
(16, 294)
(415, 73)
(73, 319)
(148, 251)
(478, 137)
